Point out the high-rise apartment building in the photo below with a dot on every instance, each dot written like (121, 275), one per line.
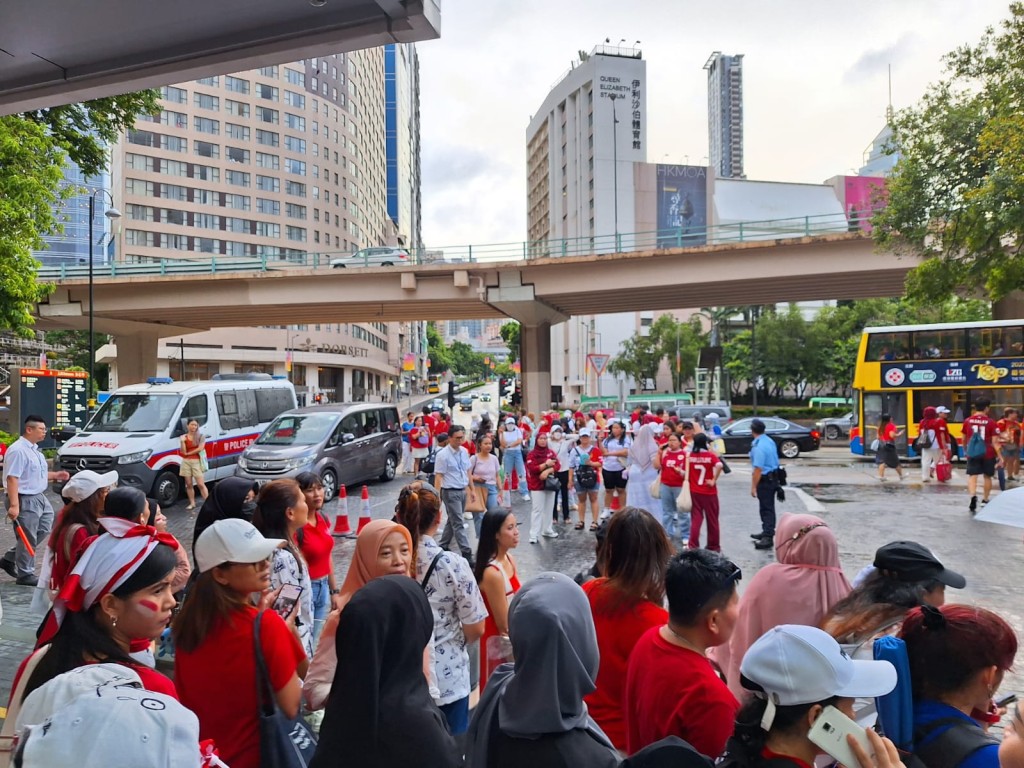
(402, 141)
(276, 162)
(581, 146)
(725, 114)
(71, 246)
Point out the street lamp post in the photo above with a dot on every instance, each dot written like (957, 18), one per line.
(615, 167)
(111, 213)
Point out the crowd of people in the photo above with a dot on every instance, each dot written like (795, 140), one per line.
(652, 658)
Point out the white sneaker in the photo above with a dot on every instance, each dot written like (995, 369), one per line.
(550, 534)
(533, 539)
(467, 515)
(526, 497)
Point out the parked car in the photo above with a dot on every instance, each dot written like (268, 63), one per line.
(687, 411)
(792, 439)
(836, 427)
(344, 443)
(373, 257)
(466, 403)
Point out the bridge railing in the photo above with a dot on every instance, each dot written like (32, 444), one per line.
(677, 237)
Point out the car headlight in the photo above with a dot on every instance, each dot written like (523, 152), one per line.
(298, 461)
(242, 463)
(134, 458)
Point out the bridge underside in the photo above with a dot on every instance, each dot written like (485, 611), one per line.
(58, 52)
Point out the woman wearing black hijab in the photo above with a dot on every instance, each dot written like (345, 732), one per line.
(380, 713)
(532, 712)
(231, 497)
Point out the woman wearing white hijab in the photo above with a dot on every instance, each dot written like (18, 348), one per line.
(644, 463)
(532, 712)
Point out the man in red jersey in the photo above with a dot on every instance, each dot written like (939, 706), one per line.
(985, 427)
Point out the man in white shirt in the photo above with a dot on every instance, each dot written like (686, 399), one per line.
(451, 478)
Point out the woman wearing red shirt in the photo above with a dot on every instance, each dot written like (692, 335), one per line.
(705, 467)
(540, 463)
(419, 438)
(215, 654)
(886, 455)
(626, 602)
(673, 466)
(316, 542)
(77, 522)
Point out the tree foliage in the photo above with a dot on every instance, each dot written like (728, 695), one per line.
(76, 353)
(956, 194)
(641, 355)
(33, 150)
(437, 351)
(510, 333)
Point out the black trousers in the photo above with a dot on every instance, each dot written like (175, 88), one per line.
(766, 488)
(563, 492)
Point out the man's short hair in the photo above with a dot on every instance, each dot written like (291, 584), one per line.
(757, 427)
(456, 429)
(33, 418)
(698, 581)
(982, 403)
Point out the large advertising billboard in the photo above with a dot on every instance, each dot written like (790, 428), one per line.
(682, 205)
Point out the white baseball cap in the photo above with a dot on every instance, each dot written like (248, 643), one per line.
(942, 409)
(86, 483)
(795, 664)
(115, 726)
(61, 690)
(233, 541)
(510, 420)
(585, 432)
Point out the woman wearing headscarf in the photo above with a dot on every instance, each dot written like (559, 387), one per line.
(532, 712)
(231, 497)
(380, 713)
(644, 464)
(383, 548)
(800, 588)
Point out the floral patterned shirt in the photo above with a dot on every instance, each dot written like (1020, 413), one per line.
(455, 600)
(285, 570)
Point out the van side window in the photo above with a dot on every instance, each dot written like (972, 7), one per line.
(354, 423)
(195, 408)
(270, 403)
(247, 408)
(389, 419)
(227, 409)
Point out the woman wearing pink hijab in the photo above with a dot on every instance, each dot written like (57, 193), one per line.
(383, 548)
(798, 589)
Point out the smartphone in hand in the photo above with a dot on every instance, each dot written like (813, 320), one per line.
(287, 599)
(829, 734)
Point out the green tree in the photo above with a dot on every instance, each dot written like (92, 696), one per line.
(510, 334)
(956, 195)
(467, 362)
(437, 351)
(685, 338)
(76, 353)
(33, 149)
(639, 357)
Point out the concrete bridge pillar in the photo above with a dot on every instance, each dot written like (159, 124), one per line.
(136, 358)
(535, 350)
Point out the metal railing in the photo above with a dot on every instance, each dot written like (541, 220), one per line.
(677, 237)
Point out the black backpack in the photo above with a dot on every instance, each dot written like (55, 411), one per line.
(951, 747)
(427, 463)
(586, 476)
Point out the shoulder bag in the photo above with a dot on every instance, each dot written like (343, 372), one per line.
(8, 735)
(476, 495)
(684, 501)
(284, 742)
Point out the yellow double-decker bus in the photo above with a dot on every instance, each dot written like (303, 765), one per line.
(902, 369)
(433, 385)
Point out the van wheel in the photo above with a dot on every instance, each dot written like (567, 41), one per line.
(167, 488)
(390, 468)
(329, 481)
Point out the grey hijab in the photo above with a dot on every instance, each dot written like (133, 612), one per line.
(555, 647)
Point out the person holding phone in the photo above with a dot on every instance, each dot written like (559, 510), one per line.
(281, 512)
(796, 674)
(215, 654)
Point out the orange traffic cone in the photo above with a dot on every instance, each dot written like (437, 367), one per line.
(364, 513)
(341, 526)
(508, 492)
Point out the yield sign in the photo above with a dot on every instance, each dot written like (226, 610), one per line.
(598, 362)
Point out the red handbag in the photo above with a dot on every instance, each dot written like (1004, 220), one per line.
(943, 471)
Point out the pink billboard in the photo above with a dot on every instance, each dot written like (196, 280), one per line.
(862, 196)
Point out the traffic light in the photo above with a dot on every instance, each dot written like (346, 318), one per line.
(451, 394)
(505, 386)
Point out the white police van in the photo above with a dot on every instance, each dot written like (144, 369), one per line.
(137, 430)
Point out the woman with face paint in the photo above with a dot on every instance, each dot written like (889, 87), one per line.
(118, 592)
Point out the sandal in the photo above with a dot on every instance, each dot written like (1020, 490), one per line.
(594, 526)
(579, 526)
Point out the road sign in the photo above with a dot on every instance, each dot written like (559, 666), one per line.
(598, 362)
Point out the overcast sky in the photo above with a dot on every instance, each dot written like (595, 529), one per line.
(814, 80)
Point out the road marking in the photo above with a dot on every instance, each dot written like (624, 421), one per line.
(810, 503)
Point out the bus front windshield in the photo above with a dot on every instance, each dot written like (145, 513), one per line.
(135, 413)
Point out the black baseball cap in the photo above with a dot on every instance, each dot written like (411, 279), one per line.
(909, 561)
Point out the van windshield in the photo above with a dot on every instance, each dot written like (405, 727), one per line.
(298, 429)
(135, 413)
